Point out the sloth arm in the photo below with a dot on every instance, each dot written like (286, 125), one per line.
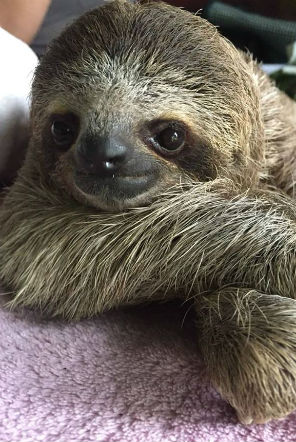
(212, 235)
(246, 325)
(196, 238)
(234, 256)
(248, 343)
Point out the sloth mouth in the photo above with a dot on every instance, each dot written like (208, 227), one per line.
(115, 186)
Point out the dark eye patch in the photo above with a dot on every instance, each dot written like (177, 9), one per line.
(176, 142)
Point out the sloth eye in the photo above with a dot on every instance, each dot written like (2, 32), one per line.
(166, 137)
(64, 130)
(171, 139)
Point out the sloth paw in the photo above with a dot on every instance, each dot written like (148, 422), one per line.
(248, 341)
(256, 416)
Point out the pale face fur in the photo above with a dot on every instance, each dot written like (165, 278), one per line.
(118, 75)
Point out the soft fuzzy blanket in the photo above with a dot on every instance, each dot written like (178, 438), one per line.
(133, 375)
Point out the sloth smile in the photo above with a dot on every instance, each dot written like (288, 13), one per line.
(114, 185)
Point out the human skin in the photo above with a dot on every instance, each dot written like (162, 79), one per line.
(22, 18)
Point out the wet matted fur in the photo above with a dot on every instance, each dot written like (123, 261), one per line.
(216, 225)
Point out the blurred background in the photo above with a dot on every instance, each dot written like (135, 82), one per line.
(285, 9)
(264, 27)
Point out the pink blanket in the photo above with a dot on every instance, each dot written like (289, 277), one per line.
(133, 375)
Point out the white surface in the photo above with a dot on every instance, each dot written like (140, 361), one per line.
(269, 68)
(18, 63)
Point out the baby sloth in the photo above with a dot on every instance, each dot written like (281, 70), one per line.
(161, 164)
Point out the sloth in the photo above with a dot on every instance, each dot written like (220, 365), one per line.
(161, 164)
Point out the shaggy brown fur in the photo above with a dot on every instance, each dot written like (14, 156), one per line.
(216, 224)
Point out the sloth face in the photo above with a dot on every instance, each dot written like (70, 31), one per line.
(123, 165)
(124, 108)
(116, 168)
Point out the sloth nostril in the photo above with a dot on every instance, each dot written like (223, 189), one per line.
(101, 155)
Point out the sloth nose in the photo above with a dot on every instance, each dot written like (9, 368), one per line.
(101, 155)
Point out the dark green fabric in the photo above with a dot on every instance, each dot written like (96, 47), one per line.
(266, 38)
(285, 78)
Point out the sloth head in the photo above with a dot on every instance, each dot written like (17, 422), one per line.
(133, 98)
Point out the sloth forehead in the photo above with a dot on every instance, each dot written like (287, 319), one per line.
(115, 82)
(135, 44)
(149, 58)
